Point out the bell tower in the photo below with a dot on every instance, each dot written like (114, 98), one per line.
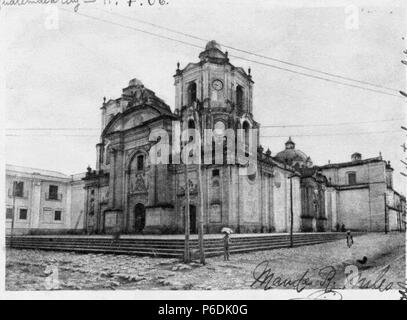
(219, 91)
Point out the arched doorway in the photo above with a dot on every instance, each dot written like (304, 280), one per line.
(139, 217)
(192, 219)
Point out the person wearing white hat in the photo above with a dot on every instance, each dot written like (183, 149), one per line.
(226, 242)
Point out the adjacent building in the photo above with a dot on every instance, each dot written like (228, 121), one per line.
(43, 201)
(358, 194)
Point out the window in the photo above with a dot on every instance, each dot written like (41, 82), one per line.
(57, 215)
(191, 92)
(191, 126)
(239, 97)
(140, 163)
(19, 188)
(53, 192)
(246, 128)
(352, 178)
(9, 213)
(215, 173)
(23, 214)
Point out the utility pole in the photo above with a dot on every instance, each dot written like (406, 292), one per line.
(13, 216)
(291, 212)
(201, 202)
(187, 255)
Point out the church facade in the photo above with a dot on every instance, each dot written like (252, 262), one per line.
(130, 191)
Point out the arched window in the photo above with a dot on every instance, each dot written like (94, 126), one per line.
(140, 162)
(246, 128)
(191, 93)
(239, 97)
(191, 124)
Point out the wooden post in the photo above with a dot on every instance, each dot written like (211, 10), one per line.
(291, 212)
(201, 201)
(13, 216)
(385, 214)
(187, 256)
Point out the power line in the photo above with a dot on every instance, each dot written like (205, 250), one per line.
(52, 129)
(262, 126)
(234, 56)
(317, 77)
(332, 134)
(327, 124)
(252, 53)
(262, 136)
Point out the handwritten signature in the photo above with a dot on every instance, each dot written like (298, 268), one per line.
(326, 279)
(403, 292)
(322, 295)
(76, 3)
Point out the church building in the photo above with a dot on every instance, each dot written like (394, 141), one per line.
(131, 192)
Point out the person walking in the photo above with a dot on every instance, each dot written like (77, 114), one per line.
(349, 239)
(226, 243)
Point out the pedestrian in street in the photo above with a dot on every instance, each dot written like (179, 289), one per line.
(226, 242)
(343, 229)
(349, 239)
(337, 227)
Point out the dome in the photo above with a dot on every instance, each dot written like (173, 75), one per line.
(135, 82)
(212, 45)
(293, 156)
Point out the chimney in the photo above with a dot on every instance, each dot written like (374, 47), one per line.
(356, 156)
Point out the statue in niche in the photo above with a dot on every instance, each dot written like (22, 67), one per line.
(192, 188)
(137, 184)
(139, 97)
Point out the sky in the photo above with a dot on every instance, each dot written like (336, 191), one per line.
(58, 65)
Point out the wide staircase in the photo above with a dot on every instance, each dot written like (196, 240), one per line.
(167, 247)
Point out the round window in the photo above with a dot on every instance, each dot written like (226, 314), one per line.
(219, 128)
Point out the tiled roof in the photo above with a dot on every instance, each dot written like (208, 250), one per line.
(351, 163)
(43, 172)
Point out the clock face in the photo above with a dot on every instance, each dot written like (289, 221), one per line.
(217, 85)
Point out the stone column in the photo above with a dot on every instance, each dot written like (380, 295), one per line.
(112, 178)
(119, 176)
(68, 206)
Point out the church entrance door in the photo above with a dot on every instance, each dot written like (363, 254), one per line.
(139, 217)
(192, 218)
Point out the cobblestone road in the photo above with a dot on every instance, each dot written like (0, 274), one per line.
(45, 270)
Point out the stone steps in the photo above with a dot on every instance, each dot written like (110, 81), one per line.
(167, 247)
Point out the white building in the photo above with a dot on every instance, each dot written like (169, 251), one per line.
(43, 201)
